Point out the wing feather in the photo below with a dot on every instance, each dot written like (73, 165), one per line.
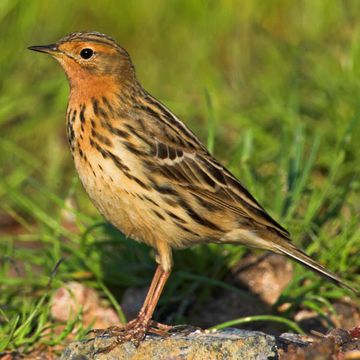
(180, 157)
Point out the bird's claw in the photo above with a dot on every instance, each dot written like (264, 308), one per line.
(134, 331)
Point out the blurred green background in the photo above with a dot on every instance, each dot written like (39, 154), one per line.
(272, 87)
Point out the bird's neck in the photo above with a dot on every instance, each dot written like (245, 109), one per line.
(100, 101)
(86, 89)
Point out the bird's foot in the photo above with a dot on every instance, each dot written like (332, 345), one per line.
(134, 331)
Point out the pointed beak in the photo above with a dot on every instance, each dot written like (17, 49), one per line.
(51, 49)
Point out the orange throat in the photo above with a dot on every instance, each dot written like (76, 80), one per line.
(88, 86)
(85, 85)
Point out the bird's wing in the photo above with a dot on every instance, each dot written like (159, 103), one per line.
(180, 158)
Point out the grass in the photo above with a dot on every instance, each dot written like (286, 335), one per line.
(272, 87)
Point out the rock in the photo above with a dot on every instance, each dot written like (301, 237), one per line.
(336, 344)
(227, 344)
(73, 297)
(347, 314)
(266, 275)
(132, 301)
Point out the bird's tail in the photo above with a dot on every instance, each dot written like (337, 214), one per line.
(285, 247)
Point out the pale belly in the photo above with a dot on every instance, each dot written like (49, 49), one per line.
(121, 202)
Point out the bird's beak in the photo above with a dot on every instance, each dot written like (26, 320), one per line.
(51, 49)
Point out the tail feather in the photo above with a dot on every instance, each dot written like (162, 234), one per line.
(290, 250)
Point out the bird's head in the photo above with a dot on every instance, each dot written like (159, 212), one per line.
(91, 56)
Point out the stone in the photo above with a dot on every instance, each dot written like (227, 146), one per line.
(227, 344)
(267, 275)
(74, 297)
(132, 301)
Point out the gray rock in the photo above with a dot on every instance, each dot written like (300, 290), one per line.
(227, 344)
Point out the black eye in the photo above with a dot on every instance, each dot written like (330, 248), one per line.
(86, 53)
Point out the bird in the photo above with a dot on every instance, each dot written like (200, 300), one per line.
(149, 175)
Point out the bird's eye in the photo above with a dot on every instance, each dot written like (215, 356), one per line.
(86, 53)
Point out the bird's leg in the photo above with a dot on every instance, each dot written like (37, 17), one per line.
(114, 330)
(136, 329)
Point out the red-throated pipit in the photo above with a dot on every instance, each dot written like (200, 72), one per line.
(148, 174)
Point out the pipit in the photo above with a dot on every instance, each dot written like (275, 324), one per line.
(148, 174)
